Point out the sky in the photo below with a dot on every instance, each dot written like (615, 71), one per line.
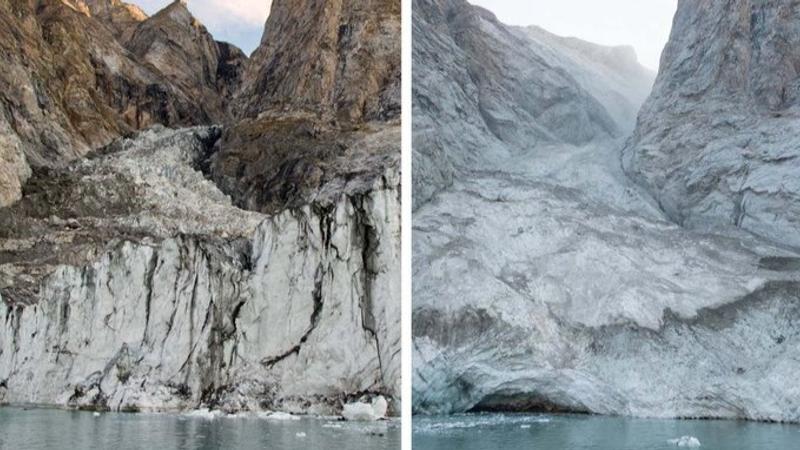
(643, 24)
(240, 22)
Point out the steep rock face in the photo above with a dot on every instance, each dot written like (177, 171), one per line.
(14, 169)
(482, 88)
(68, 86)
(349, 48)
(546, 279)
(179, 46)
(129, 282)
(302, 139)
(230, 68)
(717, 142)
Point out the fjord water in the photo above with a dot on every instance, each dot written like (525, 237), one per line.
(38, 429)
(583, 432)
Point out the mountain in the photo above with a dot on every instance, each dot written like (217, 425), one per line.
(546, 277)
(512, 88)
(347, 110)
(70, 86)
(717, 142)
(121, 17)
(181, 48)
(150, 269)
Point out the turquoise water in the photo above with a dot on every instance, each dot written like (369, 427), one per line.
(23, 429)
(573, 432)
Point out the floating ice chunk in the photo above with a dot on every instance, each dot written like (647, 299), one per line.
(365, 412)
(524, 427)
(277, 415)
(300, 434)
(685, 441)
(96, 414)
(204, 413)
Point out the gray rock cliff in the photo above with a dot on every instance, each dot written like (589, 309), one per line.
(717, 141)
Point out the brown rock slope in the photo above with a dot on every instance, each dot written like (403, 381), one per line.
(68, 86)
(121, 17)
(302, 138)
(180, 47)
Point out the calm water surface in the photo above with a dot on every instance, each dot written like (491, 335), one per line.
(569, 432)
(22, 429)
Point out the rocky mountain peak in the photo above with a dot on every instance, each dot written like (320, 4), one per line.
(295, 137)
(179, 46)
(178, 11)
(120, 16)
(79, 74)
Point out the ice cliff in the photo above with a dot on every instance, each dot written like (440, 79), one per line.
(548, 275)
(248, 262)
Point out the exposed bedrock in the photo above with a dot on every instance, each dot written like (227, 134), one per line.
(717, 141)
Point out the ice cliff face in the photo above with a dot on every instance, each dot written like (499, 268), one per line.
(545, 278)
(139, 278)
(717, 142)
